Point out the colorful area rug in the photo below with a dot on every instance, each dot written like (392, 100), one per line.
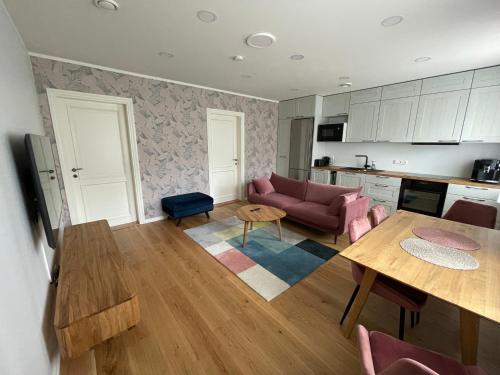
(269, 266)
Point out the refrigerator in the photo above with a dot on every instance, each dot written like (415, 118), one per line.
(301, 142)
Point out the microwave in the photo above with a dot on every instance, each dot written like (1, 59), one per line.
(334, 132)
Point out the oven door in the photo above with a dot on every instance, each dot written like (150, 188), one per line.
(331, 132)
(424, 197)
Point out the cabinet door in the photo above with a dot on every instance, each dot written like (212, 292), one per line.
(486, 77)
(283, 162)
(334, 105)
(368, 95)
(286, 109)
(449, 82)
(305, 106)
(396, 120)
(362, 123)
(320, 176)
(402, 90)
(440, 117)
(482, 121)
(350, 179)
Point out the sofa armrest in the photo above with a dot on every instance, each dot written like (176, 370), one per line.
(250, 189)
(351, 211)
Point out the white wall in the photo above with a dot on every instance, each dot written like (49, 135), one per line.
(27, 344)
(434, 159)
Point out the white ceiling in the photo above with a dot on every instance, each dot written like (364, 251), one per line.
(337, 37)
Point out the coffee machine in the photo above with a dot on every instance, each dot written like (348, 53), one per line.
(486, 170)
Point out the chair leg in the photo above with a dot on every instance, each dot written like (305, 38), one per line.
(412, 319)
(418, 317)
(349, 304)
(402, 314)
(207, 215)
(335, 239)
(178, 221)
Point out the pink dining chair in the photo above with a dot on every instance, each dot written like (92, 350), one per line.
(385, 355)
(406, 297)
(472, 213)
(378, 214)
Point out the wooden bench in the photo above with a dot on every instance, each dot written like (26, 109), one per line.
(95, 299)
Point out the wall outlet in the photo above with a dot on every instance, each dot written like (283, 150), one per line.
(401, 162)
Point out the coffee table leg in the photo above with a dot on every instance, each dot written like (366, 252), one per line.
(251, 225)
(278, 224)
(245, 233)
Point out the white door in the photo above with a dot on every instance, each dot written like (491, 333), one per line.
(224, 161)
(362, 122)
(482, 121)
(96, 165)
(440, 117)
(396, 120)
(283, 162)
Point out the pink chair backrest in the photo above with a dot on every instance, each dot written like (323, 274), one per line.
(378, 214)
(472, 213)
(358, 228)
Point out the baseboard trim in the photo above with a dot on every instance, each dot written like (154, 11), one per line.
(153, 219)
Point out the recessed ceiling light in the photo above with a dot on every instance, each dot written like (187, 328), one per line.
(107, 4)
(391, 21)
(260, 40)
(343, 78)
(238, 58)
(206, 16)
(345, 85)
(166, 54)
(297, 57)
(245, 76)
(422, 59)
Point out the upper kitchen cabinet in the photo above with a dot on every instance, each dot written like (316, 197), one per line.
(440, 117)
(402, 90)
(449, 82)
(362, 122)
(286, 109)
(335, 105)
(396, 119)
(482, 121)
(486, 77)
(368, 95)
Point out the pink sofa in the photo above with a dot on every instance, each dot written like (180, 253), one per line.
(309, 203)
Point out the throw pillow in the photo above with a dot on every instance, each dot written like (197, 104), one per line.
(339, 201)
(263, 186)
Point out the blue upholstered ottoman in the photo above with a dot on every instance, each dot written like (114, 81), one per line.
(179, 206)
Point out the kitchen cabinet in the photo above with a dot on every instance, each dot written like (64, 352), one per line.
(283, 162)
(440, 117)
(448, 82)
(335, 105)
(350, 179)
(396, 119)
(362, 124)
(482, 121)
(321, 176)
(297, 108)
(364, 96)
(486, 77)
(402, 90)
(286, 109)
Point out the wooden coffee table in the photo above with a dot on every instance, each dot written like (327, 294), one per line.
(257, 213)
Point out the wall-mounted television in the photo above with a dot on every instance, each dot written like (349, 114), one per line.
(48, 199)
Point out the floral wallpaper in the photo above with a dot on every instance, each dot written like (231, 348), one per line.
(171, 125)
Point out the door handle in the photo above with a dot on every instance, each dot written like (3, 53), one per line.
(76, 169)
(47, 171)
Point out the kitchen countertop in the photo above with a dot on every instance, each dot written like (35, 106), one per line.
(415, 176)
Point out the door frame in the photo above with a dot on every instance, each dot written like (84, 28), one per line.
(241, 147)
(54, 94)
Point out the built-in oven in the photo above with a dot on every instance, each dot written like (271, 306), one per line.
(332, 132)
(424, 197)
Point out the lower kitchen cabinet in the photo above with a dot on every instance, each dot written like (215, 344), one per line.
(350, 179)
(321, 176)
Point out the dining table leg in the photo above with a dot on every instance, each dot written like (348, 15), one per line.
(469, 336)
(364, 290)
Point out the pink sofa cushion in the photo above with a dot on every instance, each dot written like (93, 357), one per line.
(341, 200)
(325, 194)
(314, 214)
(289, 186)
(273, 199)
(263, 185)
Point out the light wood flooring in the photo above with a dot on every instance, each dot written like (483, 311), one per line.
(199, 318)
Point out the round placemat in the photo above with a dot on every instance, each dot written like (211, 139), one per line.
(446, 238)
(439, 255)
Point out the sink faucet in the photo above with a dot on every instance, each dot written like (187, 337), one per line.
(366, 166)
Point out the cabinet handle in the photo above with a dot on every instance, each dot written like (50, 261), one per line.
(351, 173)
(383, 141)
(382, 176)
(474, 199)
(447, 141)
(379, 200)
(471, 140)
(342, 114)
(367, 140)
(380, 185)
(476, 188)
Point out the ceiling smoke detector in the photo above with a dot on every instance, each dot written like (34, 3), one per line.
(297, 57)
(238, 58)
(422, 59)
(261, 40)
(166, 54)
(346, 85)
(391, 21)
(206, 16)
(107, 4)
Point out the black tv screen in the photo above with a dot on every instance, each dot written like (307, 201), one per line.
(46, 188)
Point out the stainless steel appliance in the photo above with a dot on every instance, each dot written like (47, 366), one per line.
(333, 129)
(301, 140)
(486, 170)
(424, 197)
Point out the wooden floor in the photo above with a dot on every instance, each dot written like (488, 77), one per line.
(199, 318)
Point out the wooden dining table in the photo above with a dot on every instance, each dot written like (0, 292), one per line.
(476, 293)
